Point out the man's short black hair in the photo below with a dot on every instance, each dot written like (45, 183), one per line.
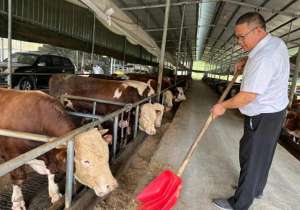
(252, 18)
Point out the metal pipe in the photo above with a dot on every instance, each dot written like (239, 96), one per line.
(9, 44)
(122, 128)
(2, 49)
(25, 135)
(179, 44)
(77, 60)
(111, 65)
(136, 121)
(295, 78)
(261, 8)
(82, 61)
(185, 27)
(162, 50)
(93, 40)
(93, 100)
(161, 5)
(230, 61)
(115, 137)
(79, 114)
(69, 174)
(94, 107)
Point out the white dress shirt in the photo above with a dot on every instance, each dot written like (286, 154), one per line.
(266, 73)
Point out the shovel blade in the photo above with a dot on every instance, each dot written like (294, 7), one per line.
(161, 193)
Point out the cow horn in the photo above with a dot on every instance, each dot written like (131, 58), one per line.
(103, 131)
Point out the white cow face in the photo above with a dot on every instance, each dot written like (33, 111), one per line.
(168, 100)
(180, 96)
(150, 117)
(91, 162)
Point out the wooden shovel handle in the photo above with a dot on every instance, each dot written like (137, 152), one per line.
(206, 125)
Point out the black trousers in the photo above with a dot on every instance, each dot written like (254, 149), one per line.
(257, 148)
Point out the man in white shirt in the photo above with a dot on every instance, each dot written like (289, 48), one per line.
(262, 99)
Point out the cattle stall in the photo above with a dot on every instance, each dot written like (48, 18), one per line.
(97, 120)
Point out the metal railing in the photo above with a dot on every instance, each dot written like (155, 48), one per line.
(54, 142)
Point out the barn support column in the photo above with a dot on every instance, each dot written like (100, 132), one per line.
(9, 44)
(77, 60)
(93, 41)
(111, 65)
(124, 53)
(179, 44)
(82, 61)
(163, 47)
(295, 77)
(2, 49)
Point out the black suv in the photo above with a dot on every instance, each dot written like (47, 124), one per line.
(32, 71)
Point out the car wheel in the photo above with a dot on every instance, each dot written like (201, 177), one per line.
(26, 83)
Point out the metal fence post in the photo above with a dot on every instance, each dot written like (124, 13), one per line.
(122, 128)
(115, 137)
(69, 174)
(94, 108)
(9, 43)
(136, 121)
(162, 49)
(179, 44)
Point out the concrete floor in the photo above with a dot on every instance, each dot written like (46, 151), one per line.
(215, 167)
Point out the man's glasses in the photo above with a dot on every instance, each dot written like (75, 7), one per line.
(243, 37)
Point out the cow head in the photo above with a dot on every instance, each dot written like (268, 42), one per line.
(91, 161)
(292, 121)
(168, 100)
(144, 89)
(150, 117)
(180, 94)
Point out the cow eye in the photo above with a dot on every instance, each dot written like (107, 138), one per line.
(86, 162)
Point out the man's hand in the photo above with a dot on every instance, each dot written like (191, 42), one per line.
(240, 64)
(217, 110)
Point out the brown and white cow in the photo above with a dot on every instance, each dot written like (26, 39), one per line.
(292, 123)
(127, 91)
(119, 91)
(39, 113)
(175, 94)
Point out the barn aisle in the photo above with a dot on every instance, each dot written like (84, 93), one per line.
(215, 167)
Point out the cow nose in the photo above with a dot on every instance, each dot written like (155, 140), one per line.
(111, 187)
(152, 132)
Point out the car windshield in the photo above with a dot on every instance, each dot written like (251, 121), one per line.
(22, 58)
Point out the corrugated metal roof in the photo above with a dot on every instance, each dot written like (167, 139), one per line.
(152, 18)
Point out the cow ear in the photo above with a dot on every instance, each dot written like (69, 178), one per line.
(103, 131)
(61, 156)
(108, 138)
(158, 111)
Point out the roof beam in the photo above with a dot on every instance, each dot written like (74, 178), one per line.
(228, 22)
(241, 3)
(262, 8)
(160, 5)
(262, 5)
(215, 20)
(178, 28)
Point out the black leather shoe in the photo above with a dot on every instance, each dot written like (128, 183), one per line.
(222, 204)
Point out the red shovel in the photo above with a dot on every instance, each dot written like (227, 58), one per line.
(163, 192)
